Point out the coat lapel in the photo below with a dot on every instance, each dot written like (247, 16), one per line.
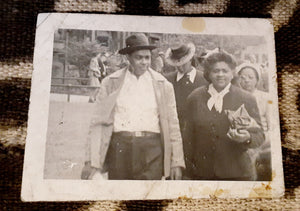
(117, 81)
(108, 103)
(158, 86)
(105, 113)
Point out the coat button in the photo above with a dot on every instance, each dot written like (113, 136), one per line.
(204, 157)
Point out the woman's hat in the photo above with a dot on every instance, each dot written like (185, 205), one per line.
(249, 65)
(136, 42)
(180, 55)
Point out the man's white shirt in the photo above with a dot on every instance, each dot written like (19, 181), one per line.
(136, 106)
(191, 75)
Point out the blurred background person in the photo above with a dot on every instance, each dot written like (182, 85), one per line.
(185, 79)
(96, 72)
(115, 62)
(157, 62)
(97, 69)
(249, 78)
(167, 68)
(217, 149)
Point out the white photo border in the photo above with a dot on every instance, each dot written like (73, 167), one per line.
(36, 188)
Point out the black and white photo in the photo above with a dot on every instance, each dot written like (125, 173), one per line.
(136, 111)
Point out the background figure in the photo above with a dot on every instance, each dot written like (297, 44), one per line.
(216, 146)
(185, 79)
(263, 83)
(115, 62)
(96, 72)
(167, 68)
(97, 68)
(157, 63)
(249, 77)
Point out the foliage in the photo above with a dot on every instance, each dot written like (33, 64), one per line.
(80, 53)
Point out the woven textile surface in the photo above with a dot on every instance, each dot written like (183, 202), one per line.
(17, 32)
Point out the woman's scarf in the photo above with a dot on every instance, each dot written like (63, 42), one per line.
(216, 98)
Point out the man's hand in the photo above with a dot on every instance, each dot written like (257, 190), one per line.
(176, 173)
(87, 170)
(239, 136)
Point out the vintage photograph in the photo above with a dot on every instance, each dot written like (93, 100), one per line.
(190, 113)
(112, 92)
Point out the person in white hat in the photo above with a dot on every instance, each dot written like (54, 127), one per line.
(186, 78)
(249, 77)
(135, 131)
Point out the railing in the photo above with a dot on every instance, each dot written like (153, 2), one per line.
(71, 78)
(69, 88)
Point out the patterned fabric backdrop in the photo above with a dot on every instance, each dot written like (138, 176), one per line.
(17, 32)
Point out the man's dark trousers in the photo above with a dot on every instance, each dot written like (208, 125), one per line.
(135, 158)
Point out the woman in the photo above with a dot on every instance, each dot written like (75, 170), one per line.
(214, 149)
(249, 78)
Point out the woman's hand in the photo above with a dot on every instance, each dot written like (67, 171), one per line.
(239, 136)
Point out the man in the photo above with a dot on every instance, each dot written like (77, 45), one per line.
(135, 132)
(156, 61)
(185, 79)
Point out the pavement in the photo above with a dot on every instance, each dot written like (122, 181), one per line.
(68, 125)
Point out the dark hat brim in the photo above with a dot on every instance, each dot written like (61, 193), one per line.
(129, 50)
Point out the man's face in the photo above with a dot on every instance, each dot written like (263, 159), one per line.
(185, 68)
(140, 61)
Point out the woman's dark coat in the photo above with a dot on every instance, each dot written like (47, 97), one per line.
(209, 153)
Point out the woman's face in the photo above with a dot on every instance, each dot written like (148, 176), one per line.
(248, 80)
(220, 75)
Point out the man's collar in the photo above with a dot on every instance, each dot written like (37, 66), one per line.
(120, 74)
(145, 75)
(191, 75)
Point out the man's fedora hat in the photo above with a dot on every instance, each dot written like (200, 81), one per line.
(180, 55)
(136, 42)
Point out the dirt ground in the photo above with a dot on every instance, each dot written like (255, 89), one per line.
(66, 139)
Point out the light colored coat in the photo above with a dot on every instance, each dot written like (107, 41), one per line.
(101, 127)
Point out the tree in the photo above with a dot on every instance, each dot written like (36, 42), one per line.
(80, 53)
